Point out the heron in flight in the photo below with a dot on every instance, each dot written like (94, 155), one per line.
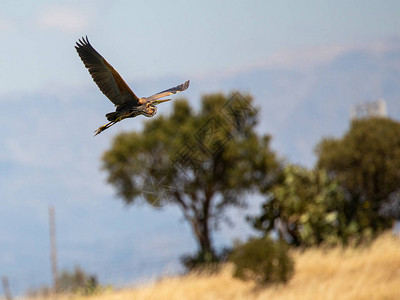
(127, 104)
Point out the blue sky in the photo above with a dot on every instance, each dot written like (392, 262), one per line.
(144, 39)
(50, 106)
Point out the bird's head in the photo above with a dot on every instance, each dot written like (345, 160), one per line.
(150, 108)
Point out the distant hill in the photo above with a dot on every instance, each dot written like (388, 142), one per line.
(303, 103)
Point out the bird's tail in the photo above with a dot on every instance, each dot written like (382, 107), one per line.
(112, 116)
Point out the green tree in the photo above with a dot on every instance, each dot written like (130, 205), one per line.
(305, 207)
(366, 162)
(202, 162)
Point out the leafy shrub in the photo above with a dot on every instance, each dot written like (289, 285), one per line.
(77, 282)
(263, 260)
(69, 282)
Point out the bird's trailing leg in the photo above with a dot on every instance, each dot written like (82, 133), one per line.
(108, 125)
(104, 127)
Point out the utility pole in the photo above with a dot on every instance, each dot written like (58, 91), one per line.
(53, 248)
(6, 288)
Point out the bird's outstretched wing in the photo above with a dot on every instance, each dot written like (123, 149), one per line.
(104, 75)
(170, 91)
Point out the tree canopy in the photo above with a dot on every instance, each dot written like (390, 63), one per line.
(201, 161)
(366, 161)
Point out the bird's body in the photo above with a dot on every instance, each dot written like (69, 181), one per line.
(128, 105)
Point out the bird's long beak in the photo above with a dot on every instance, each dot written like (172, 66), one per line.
(155, 102)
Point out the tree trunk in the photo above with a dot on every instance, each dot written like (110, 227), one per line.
(198, 218)
(201, 228)
(202, 234)
(205, 240)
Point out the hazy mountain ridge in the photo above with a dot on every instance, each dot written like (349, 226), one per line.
(300, 106)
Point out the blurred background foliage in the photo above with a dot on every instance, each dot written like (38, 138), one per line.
(306, 208)
(208, 160)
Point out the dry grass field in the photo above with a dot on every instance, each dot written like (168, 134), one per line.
(368, 273)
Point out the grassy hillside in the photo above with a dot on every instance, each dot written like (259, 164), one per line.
(367, 273)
